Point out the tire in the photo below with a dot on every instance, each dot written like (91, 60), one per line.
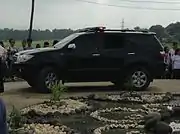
(137, 79)
(46, 74)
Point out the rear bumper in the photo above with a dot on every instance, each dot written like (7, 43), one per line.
(159, 69)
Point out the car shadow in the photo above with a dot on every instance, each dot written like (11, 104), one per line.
(70, 89)
(91, 88)
(84, 89)
(78, 88)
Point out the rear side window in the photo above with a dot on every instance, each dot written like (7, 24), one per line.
(144, 40)
(113, 41)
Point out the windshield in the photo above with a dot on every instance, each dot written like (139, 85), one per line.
(66, 40)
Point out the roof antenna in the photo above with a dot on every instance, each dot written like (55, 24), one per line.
(122, 24)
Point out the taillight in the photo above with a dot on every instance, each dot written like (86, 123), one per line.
(162, 53)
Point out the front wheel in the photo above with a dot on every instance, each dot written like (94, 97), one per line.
(138, 79)
(46, 79)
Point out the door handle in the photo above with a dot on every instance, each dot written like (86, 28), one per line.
(131, 53)
(95, 55)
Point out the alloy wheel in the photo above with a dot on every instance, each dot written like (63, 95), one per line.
(51, 79)
(139, 79)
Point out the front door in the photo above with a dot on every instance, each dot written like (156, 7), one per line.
(83, 60)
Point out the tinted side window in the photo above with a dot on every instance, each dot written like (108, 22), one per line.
(113, 41)
(87, 42)
(146, 41)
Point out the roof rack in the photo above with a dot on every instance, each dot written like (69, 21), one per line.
(127, 30)
(92, 29)
(121, 30)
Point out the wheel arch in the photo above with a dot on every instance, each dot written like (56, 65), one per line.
(55, 66)
(144, 65)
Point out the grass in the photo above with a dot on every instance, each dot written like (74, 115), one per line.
(18, 43)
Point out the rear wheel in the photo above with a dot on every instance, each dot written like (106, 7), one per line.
(46, 79)
(137, 79)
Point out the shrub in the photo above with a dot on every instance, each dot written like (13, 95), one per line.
(15, 119)
(57, 90)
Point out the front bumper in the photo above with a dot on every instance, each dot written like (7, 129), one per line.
(23, 71)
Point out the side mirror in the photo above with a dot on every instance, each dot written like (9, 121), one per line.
(71, 46)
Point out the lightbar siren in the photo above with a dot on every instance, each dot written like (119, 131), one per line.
(92, 29)
(103, 29)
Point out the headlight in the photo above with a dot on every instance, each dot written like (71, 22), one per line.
(23, 58)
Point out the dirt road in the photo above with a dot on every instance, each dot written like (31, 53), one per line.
(20, 94)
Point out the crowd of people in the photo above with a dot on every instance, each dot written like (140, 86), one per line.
(26, 45)
(172, 60)
(11, 49)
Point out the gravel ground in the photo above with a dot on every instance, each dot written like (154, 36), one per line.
(21, 95)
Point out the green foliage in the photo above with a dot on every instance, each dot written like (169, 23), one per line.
(167, 34)
(57, 90)
(15, 119)
(6, 34)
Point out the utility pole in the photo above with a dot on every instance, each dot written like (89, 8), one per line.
(31, 20)
(122, 26)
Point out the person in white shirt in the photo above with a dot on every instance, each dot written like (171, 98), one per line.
(170, 57)
(176, 64)
(173, 49)
(3, 53)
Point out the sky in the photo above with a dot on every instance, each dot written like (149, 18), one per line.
(51, 14)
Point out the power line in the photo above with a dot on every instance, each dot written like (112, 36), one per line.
(159, 2)
(130, 7)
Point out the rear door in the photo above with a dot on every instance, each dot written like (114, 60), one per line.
(112, 54)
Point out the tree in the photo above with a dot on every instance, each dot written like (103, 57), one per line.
(160, 31)
(174, 30)
(137, 28)
(58, 34)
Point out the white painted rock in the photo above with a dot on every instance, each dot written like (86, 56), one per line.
(175, 126)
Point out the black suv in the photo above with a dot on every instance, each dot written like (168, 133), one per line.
(94, 54)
